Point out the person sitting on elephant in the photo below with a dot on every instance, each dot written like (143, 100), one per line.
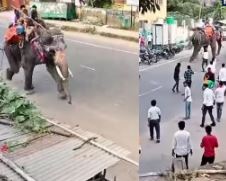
(209, 30)
(63, 71)
(16, 17)
(34, 13)
(24, 11)
(31, 31)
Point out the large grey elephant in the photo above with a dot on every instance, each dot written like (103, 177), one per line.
(23, 55)
(199, 40)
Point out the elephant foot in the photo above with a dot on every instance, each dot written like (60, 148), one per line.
(62, 95)
(9, 74)
(29, 88)
(30, 92)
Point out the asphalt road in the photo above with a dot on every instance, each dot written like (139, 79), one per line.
(104, 88)
(156, 83)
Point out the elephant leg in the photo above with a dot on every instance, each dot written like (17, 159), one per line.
(28, 72)
(213, 49)
(13, 55)
(219, 43)
(52, 71)
(9, 74)
(195, 52)
(67, 90)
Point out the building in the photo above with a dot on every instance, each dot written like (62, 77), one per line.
(151, 17)
(3, 5)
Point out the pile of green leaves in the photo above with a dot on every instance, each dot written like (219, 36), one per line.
(18, 109)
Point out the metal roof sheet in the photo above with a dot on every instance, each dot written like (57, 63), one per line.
(62, 163)
(10, 174)
(58, 161)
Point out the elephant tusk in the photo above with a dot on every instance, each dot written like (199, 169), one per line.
(59, 73)
(70, 72)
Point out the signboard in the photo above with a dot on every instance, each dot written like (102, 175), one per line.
(132, 2)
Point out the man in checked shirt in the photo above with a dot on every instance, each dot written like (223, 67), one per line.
(188, 75)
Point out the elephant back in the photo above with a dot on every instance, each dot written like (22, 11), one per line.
(199, 38)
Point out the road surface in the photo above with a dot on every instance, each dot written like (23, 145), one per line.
(156, 83)
(104, 90)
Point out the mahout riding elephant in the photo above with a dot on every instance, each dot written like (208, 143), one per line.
(199, 39)
(25, 55)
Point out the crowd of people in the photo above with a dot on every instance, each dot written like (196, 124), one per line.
(214, 92)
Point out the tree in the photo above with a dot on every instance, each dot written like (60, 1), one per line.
(148, 5)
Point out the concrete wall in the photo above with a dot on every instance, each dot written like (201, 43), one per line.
(93, 15)
(182, 33)
(113, 18)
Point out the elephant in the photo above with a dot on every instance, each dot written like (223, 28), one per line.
(23, 55)
(199, 40)
(219, 40)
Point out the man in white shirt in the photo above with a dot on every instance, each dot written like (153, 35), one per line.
(219, 94)
(154, 117)
(205, 58)
(182, 143)
(222, 74)
(212, 66)
(208, 103)
(187, 100)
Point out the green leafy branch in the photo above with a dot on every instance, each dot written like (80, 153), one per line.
(18, 109)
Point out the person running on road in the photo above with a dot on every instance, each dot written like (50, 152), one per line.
(205, 59)
(188, 75)
(154, 118)
(212, 66)
(182, 143)
(208, 103)
(209, 79)
(187, 100)
(209, 143)
(176, 77)
(219, 94)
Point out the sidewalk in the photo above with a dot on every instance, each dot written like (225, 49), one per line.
(80, 27)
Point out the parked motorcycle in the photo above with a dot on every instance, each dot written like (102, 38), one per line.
(147, 55)
(144, 57)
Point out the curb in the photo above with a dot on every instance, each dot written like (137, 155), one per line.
(93, 30)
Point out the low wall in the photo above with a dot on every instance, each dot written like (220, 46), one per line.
(113, 18)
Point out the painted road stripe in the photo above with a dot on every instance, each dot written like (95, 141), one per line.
(152, 90)
(161, 64)
(102, 47)
(86, 67)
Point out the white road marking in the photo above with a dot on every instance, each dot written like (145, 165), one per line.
(161, 64)
(153, 82)
(103, 47)
(152, 90)
(86, 67)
